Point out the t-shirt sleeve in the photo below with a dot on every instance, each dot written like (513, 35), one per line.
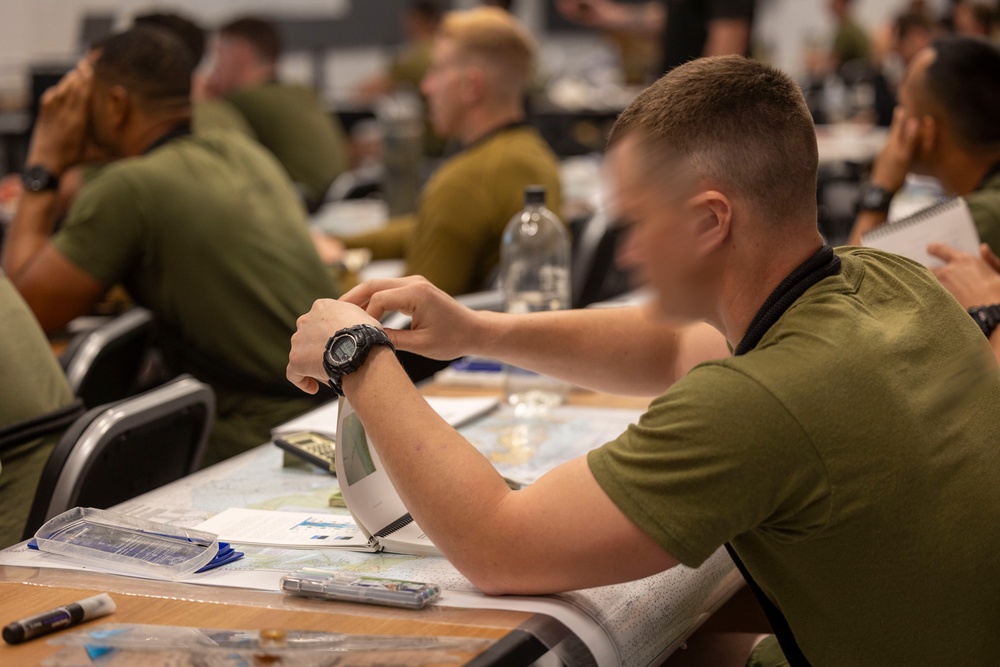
(730, 9)
(389, 242)
(448, 241)
(713, 458)
(103, 231)
(985, 209)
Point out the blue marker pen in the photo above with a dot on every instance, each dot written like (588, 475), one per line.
(47, 622)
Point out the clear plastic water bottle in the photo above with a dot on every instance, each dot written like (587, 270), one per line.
(534, 277)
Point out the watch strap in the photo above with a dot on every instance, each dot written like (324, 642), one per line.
(875, 198)
(987, 317)
(37, 178)
(367, 337)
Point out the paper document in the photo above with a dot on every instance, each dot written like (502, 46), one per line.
(948, 222)
(455, 411)
(301, 530)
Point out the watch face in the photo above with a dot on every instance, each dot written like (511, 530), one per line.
(343, 349)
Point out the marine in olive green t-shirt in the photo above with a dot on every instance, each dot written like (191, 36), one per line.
(851, 459)
(31, 385)
(984, 205)
(291, 123)
(208, 233)
(454, 239)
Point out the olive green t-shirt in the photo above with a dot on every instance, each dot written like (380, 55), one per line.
(212, 115)
(851, 459)
(291, 123)
(208, 233)
(984, 205)
(31, 384)
(454, 239)
(850, 43)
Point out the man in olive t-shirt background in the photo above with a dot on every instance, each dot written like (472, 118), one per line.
(31, 385)
(204, 230)
(833, 416)
(945, 126)
(288, 120)
(482, 62)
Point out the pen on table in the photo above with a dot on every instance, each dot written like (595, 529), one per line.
(68, 616)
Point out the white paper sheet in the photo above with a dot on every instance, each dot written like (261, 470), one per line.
(455, 411)
(300, 530)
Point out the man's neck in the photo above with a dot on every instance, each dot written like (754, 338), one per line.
(482, 121)
(962, 173)
(742, 298)
(148, 133)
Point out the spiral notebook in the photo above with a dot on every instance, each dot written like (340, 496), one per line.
(948, 222)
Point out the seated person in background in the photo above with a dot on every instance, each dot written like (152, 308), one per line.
(974, 19)
(288, 120)
(850, 42)
(975, 284)
(206, 114)
(945, 126)
(204, 230)
(31, 385)
(833, 451)
(911, 33)
(408, 67)
(483, 61)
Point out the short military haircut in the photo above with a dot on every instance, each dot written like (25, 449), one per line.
(150, 63)
(261, 34)
(964, 82)
(736, 121)
(907, 22)
(428, 10)
(496, 37)
(187, 30)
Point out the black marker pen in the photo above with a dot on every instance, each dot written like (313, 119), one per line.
(59, 618)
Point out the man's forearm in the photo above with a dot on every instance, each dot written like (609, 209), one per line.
(615, 350)
(866, 221)
(29, 232)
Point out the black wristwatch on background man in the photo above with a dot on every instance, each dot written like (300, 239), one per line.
(39, 179)
(987, 317)
(875, 198)
(347, 350)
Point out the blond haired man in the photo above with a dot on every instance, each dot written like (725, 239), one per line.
(482, 61)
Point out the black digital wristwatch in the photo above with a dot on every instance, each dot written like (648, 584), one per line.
(347, 350)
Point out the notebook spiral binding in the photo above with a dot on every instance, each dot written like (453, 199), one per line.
(919, 216)
(398, 524)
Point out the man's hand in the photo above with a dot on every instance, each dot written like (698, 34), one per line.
(313, 330)
(330, 250)
(59, 139)
(442, 328)
(896, 159)
(973, 281)
(890, 168)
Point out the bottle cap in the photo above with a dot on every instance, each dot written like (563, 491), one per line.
(534, 194)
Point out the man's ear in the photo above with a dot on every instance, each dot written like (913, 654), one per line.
(712, 225)
(473, 84)
(119, 107)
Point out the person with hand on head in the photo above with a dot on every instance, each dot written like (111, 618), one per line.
(288, 120)
(205, 230)
(974, 281)
(945, 126)
(807, 418)
(481, 65)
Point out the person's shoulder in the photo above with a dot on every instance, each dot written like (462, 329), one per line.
(984, 206)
